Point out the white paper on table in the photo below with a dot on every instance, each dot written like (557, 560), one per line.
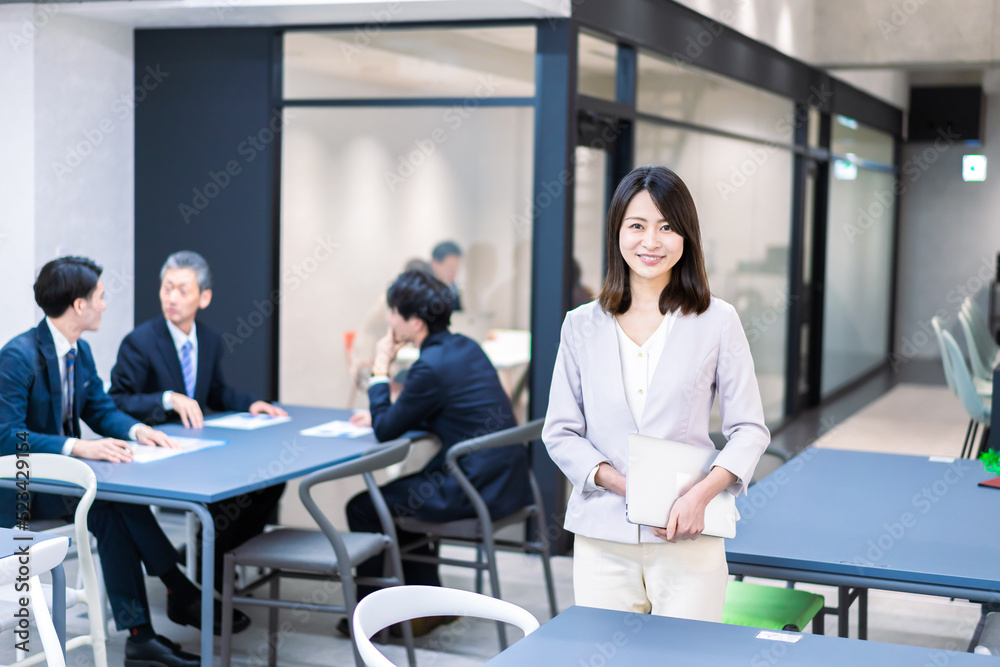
(147, 453)
(245, 421)
(336, 429)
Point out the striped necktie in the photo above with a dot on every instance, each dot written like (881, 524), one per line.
(70, 386)
(188, 368)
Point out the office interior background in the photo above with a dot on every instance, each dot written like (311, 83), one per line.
(310, 150)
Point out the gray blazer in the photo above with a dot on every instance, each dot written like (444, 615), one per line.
(588, 419)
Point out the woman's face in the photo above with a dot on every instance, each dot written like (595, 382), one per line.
(647, 243)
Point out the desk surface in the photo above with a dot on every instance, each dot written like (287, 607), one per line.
(249, 460)
(879, 516)
(584, 637)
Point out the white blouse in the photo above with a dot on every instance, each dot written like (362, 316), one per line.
(638, 365)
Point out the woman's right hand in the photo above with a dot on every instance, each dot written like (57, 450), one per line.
(609, 478)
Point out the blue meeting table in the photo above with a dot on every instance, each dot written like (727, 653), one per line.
(861, 520)
(587, 637)
(251, 460)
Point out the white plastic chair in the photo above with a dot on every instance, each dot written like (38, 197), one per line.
(978, 411)
(397, 604)
(984, 353)
(989, 640)
(43, 556)
(61, 468)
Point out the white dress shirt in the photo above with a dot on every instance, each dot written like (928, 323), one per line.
(63, 346)
(179, 339)
(638, 365)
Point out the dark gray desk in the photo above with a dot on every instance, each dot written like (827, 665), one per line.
(585, 637)
(10, 542)
(863, 520)
(249, 461)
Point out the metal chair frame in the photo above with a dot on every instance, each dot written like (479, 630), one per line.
(480, 531)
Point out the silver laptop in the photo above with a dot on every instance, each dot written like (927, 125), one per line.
(660, 471)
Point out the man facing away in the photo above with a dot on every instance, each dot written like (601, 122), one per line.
(48, 383)
(453, 391)
(170, 369)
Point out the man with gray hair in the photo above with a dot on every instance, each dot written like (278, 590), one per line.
(170, 369)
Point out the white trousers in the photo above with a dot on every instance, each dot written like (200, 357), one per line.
(685, 579)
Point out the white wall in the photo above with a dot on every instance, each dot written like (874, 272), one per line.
(786, 25)
(949, 235)
(17, 183)
(68, 181)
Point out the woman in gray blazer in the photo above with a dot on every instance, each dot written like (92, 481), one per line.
(649, 356)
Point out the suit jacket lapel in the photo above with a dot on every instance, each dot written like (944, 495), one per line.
(165, 344)
(80, 381)
(669, 364)
(609, 366)
(47, 348)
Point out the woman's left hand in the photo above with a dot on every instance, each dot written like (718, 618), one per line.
(687, 518)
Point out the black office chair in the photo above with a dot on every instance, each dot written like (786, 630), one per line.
(481, 530)
(325, 555)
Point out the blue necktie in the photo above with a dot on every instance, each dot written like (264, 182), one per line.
(188, 369)
(68, 416)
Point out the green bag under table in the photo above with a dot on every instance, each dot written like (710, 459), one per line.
(772, 607)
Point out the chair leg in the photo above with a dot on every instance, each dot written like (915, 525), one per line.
(968, 432)
(818, 627)
(491, 561)
(272, 623)
(226, 640)
(984, 442)
(550, 586)
(479, 572)
(191, 535)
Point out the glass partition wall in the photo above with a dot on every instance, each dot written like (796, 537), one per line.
(859, 252)
(420, 136)
(731, 144)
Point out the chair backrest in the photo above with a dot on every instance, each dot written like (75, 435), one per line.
(516, 435)
(964, 386)
(977, 352)
(42, 556)
(384, 456)
(60, 468)
(938, 328)
(988, 347)
(989, 640)
(389, 606)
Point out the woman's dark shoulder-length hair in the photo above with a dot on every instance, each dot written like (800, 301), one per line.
(688, 289)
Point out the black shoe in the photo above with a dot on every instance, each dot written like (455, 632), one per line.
(190, 614)
(158, 652)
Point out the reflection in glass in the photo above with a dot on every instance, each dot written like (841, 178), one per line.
(458, 62)
(596, 66)
(744, 206)
(850, 138)
(691, 95)
(858, 276)
(366, 190)
(588, 218)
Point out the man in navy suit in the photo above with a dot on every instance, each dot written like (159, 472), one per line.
(453, 391)
(48, 383)
(170, 368)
